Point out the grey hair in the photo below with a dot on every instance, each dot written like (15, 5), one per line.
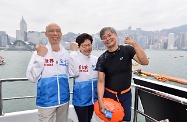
(111, 29)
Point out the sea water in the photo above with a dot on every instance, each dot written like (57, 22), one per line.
(171, 63)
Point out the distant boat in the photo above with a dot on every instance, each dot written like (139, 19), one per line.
(2, 61)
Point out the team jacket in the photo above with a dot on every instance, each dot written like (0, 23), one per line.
(51, 74)
(85, 83)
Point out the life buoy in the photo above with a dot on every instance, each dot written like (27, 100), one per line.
(114, 106)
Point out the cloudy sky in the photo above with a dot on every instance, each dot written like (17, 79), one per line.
(90, 16)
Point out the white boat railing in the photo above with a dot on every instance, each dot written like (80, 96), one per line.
(22, 116)
(137, 88)
(178, 99)
(160, 94)
(12, 98)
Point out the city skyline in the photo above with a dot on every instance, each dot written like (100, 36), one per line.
(31, 31)
(73, 17)
(164, 39)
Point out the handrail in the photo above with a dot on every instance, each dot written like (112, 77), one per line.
(146, 89)
(175, 98)
(171, 97)
(10, 80)
(14, 98)
(23, 97)
(13, 79)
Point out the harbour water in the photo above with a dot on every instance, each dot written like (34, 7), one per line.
(171, 63)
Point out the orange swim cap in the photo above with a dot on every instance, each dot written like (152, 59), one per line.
(114, 106)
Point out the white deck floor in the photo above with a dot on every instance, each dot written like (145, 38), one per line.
(32, 116)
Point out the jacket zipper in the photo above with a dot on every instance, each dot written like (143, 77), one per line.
(58, 84)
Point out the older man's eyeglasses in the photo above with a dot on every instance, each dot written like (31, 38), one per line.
(54, 30)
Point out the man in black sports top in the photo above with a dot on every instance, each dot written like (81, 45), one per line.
(115, 70)
(117, 67)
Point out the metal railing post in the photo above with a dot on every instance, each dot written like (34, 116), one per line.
(1, 103)
(135, 105)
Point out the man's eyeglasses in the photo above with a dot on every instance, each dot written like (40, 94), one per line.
(54, 30)
(84, 45)
(107, 36)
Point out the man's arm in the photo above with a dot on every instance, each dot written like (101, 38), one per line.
(35, 68)
(100, 91)
(73, 65)
(36, 64)
(140, 55)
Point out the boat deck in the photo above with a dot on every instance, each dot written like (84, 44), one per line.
(32, 116)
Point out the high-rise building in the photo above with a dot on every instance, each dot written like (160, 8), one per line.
(3, 39)
(171, 41)
(138, 31)
(129, 31)
(22, 33)
(37, 37)
(183, 40)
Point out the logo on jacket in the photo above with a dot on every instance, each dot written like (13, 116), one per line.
(93, 67)
(63, 62)
(49, 62)
(83, 68)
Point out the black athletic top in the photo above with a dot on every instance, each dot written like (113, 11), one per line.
(117, 67)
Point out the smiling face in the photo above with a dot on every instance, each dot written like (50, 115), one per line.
(86, 47)
(54, 34)
(109, 38)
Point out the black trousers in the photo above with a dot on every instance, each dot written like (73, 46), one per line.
(84, 113)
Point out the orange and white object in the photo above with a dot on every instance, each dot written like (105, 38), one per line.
(114, 106)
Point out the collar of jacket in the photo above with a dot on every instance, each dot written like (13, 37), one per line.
(83, 56)
(62, 49)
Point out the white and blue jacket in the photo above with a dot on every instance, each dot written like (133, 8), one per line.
(85, 83)
(51, 74)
